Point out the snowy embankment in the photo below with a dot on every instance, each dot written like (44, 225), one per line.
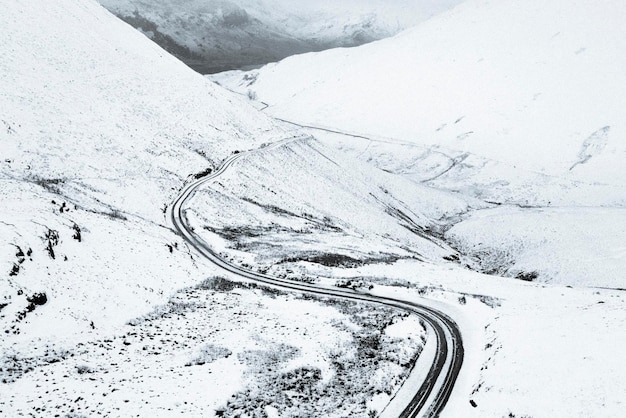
(570, 246)
(99, 131)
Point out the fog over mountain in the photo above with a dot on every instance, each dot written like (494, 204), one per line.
(217, 35)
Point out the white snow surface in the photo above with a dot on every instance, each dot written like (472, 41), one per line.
(571, 246)
(106, 125)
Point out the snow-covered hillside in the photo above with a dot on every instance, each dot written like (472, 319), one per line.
(511, 102)
(216, 35)
(525, 93)
(99, 130)
(105, 310)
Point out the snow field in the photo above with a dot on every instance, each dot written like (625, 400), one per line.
(191, 354)
(530, 349)
(569, 246)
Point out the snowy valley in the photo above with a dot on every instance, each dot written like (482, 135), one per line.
(469, 166)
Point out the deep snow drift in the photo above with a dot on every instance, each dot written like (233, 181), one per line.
(216, 35)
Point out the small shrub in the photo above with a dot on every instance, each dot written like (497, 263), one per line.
(77, 234)
(452, 257)
(203, 173)
(38, 298)
(209, 354)
(14, 270)
(83, 369)
(52, 239)
(528, 277)
(219, 284)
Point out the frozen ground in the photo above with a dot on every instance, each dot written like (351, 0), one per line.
(569, 246)
(514, 120)
(219, 348)
(523, 340)
(532, 350)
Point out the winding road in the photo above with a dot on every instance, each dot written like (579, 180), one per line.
(431, 397)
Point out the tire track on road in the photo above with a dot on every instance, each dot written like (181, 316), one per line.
(433, 394)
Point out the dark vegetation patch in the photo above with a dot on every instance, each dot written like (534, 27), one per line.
(527, 276)
(37, 299)
(14, 270)
(452, 257)
(354, 284)
(13, 367)
(203, 173)
(324, 223)
(34, 300)
(20, 258)
(165, 41)
(302, 391)
(51, 185)
(340, 260)
(84, 369)
(208, 354)
(52, 240)
(219, 284)
(113, 213)
(235, 233)
(77, 235)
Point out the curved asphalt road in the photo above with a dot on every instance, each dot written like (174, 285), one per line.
(431, 397)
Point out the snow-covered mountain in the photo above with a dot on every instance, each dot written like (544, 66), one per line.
(494, 96)
(104, 310)
(99, 130)
(217, 35)
(513, 102)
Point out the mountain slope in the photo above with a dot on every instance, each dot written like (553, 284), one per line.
(525, 93)
(104, 310)
(218, 35)
(100, 129)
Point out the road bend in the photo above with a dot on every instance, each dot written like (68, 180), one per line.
(432, 395)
